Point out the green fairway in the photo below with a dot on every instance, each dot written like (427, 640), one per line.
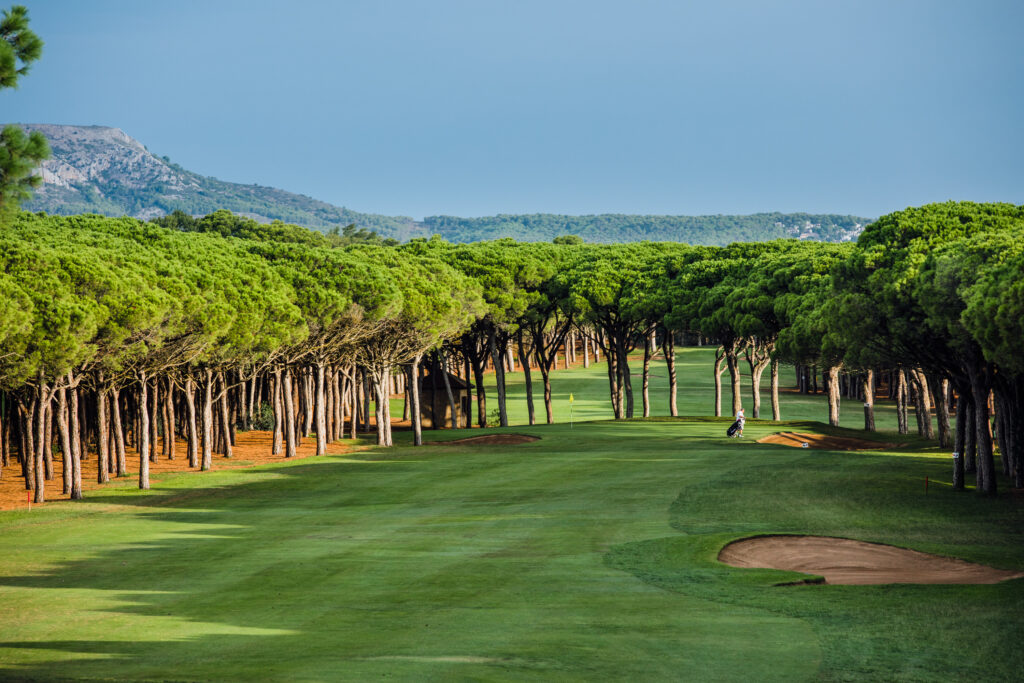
(587, 555)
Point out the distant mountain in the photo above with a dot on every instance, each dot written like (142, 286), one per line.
(95, 169)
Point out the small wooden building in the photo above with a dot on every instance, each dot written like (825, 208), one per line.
(435, 410)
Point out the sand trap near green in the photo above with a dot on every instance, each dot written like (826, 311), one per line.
(844, 561)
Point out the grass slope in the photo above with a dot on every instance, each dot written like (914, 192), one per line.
(587, 555)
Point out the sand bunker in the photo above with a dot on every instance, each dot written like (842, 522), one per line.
(489, 440)
(843, 561)
(830, 443)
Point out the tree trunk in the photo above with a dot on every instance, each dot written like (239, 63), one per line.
(960, 444)
(321, 410)
(757, 367)
(833, 395)
(545, 374)
(986, 474)
(443, 363)
(776, 412)
(277, 401)
(499, 379)
(225, 419)
(719, 357)
(289, 414)
(414, 394)
(103, 433)
(922, 405)
(48, 439)
(192, 427)
(939, 388)
(170, 424)
(622, 364)
(42, 401)
(869, 401)
(143, 445)
(76, 442)
(901, 402)
(586, 351)
(154, 421)
(524, 363)
(732, 361)
(207, 420)
(646, 378)
(119, 448)
(668, 347)
(64, 435)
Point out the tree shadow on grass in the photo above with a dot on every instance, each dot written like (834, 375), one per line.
(221, 582)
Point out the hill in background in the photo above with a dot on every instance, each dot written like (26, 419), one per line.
(95, 169)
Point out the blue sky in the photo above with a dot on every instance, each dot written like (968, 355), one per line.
(475, 108)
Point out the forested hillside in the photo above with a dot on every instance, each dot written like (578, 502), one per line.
(94, 169)
(615, 228)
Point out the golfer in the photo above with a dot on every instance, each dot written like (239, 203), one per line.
(740, 419)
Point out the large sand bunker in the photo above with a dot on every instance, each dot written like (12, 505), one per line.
(844, 561)
(830, 443)
(489, 440)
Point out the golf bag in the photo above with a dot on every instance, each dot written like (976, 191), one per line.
(734, 428)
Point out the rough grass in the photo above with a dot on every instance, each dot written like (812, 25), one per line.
(587, 555)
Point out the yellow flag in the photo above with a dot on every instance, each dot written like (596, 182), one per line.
(571, 399)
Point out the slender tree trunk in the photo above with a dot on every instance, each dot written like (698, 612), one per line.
(103, 432)
(757, 368)
(524, 362)
(732, 362)
(646, 378)
(922, 405)
(42, 401)
(869, 401)
(668, 347)
(380, 377)
(321, 410)
(207, 420)
(143, 445)
(443, 363)
(776, 412)
(75, 431)
(119, 447)
(986, 474)
(190, 422)
(833, 395)
(499, 379)
(277, 393)
(289, 415)
(719, 358)
(586, 351)
(65, 439)
(481, 396)
(154, 419)
(354, 388)
(225, 419)
(960, 444)
(170, 426)
(627, 383)
(307, 402)
(901, 402)
(48, 439)
(414, 395)
(939, 388)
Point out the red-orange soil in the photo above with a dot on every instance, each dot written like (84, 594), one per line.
(489, 440)
(830, 443)
(848, 562)
(251, 449)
